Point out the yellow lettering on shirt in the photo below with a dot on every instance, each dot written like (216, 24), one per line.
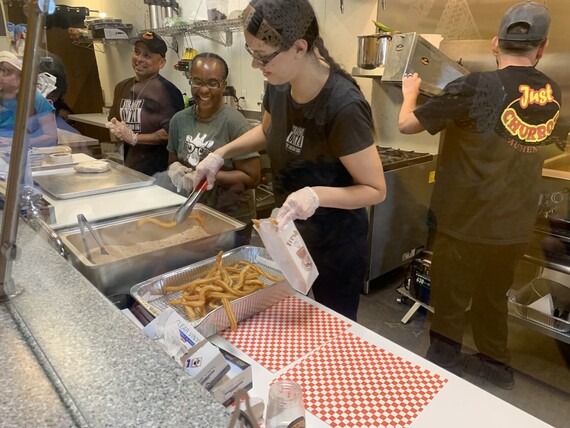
(531, 96)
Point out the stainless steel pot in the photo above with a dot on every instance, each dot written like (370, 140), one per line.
(373, 50)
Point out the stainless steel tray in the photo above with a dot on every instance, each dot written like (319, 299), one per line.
(70, 184)
(217, 320)
(533, 291)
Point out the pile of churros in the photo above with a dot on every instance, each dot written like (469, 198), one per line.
(220, 285)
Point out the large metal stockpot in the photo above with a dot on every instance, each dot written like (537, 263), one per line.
(373, 50)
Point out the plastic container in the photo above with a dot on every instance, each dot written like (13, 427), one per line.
(285, 406)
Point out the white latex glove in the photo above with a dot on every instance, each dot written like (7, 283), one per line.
(299, 205)
(208, 169)
(122, 131)
(176, 172)
(181, 176)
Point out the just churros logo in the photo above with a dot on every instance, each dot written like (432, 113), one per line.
(525, 133)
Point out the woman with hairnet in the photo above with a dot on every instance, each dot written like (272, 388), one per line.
(317, 130)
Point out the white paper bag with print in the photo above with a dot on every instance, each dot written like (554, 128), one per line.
(287, 248)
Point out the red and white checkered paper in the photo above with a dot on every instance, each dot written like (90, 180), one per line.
(349, 382)
(285, 332)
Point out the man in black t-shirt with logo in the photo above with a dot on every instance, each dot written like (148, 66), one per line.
(487, 187)
(143, 106)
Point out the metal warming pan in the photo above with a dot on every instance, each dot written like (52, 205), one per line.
(172, 250)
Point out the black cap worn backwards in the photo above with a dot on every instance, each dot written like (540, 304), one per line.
(536, 15)
(153, 41)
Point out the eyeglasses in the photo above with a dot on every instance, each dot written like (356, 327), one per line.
(210, 84)
(263, 60)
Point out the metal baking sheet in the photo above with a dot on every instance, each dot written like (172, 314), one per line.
(216, 320)
(70, 184)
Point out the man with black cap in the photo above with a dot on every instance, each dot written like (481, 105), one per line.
(143, 106)
(486, 191)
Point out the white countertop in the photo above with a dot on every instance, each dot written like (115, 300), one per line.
(96, 119)
(458, 403)
(112, 204)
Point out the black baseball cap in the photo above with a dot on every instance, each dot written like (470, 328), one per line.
(153, 41)
(536, 15)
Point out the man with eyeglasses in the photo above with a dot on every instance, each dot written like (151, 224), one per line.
(201, 129)
(143, 106)
(41, 125)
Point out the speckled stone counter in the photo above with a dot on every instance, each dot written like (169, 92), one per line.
(99, 369)
(31, 397)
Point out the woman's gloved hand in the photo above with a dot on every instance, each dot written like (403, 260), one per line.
(208, 169)
(181, 176)
(299, 205)
(122, 131)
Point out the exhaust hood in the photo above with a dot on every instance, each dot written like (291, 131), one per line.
(409, 53)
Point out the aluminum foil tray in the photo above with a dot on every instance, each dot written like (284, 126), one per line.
(217, 320)
(533, 291)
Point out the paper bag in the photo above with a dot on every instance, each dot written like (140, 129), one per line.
(287, 248)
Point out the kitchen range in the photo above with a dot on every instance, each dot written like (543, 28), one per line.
(397, 226)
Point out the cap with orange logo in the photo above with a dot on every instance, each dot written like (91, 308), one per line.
(153, 41)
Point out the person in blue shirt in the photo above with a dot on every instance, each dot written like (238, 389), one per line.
(41, 127)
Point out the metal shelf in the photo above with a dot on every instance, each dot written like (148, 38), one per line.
(90, 43)
(219, 31)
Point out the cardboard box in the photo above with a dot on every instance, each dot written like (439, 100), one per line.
(206, 364)
(202, 360)
(238, 377)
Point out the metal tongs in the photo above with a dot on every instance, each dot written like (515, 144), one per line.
(186, 208)
(83, 223)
